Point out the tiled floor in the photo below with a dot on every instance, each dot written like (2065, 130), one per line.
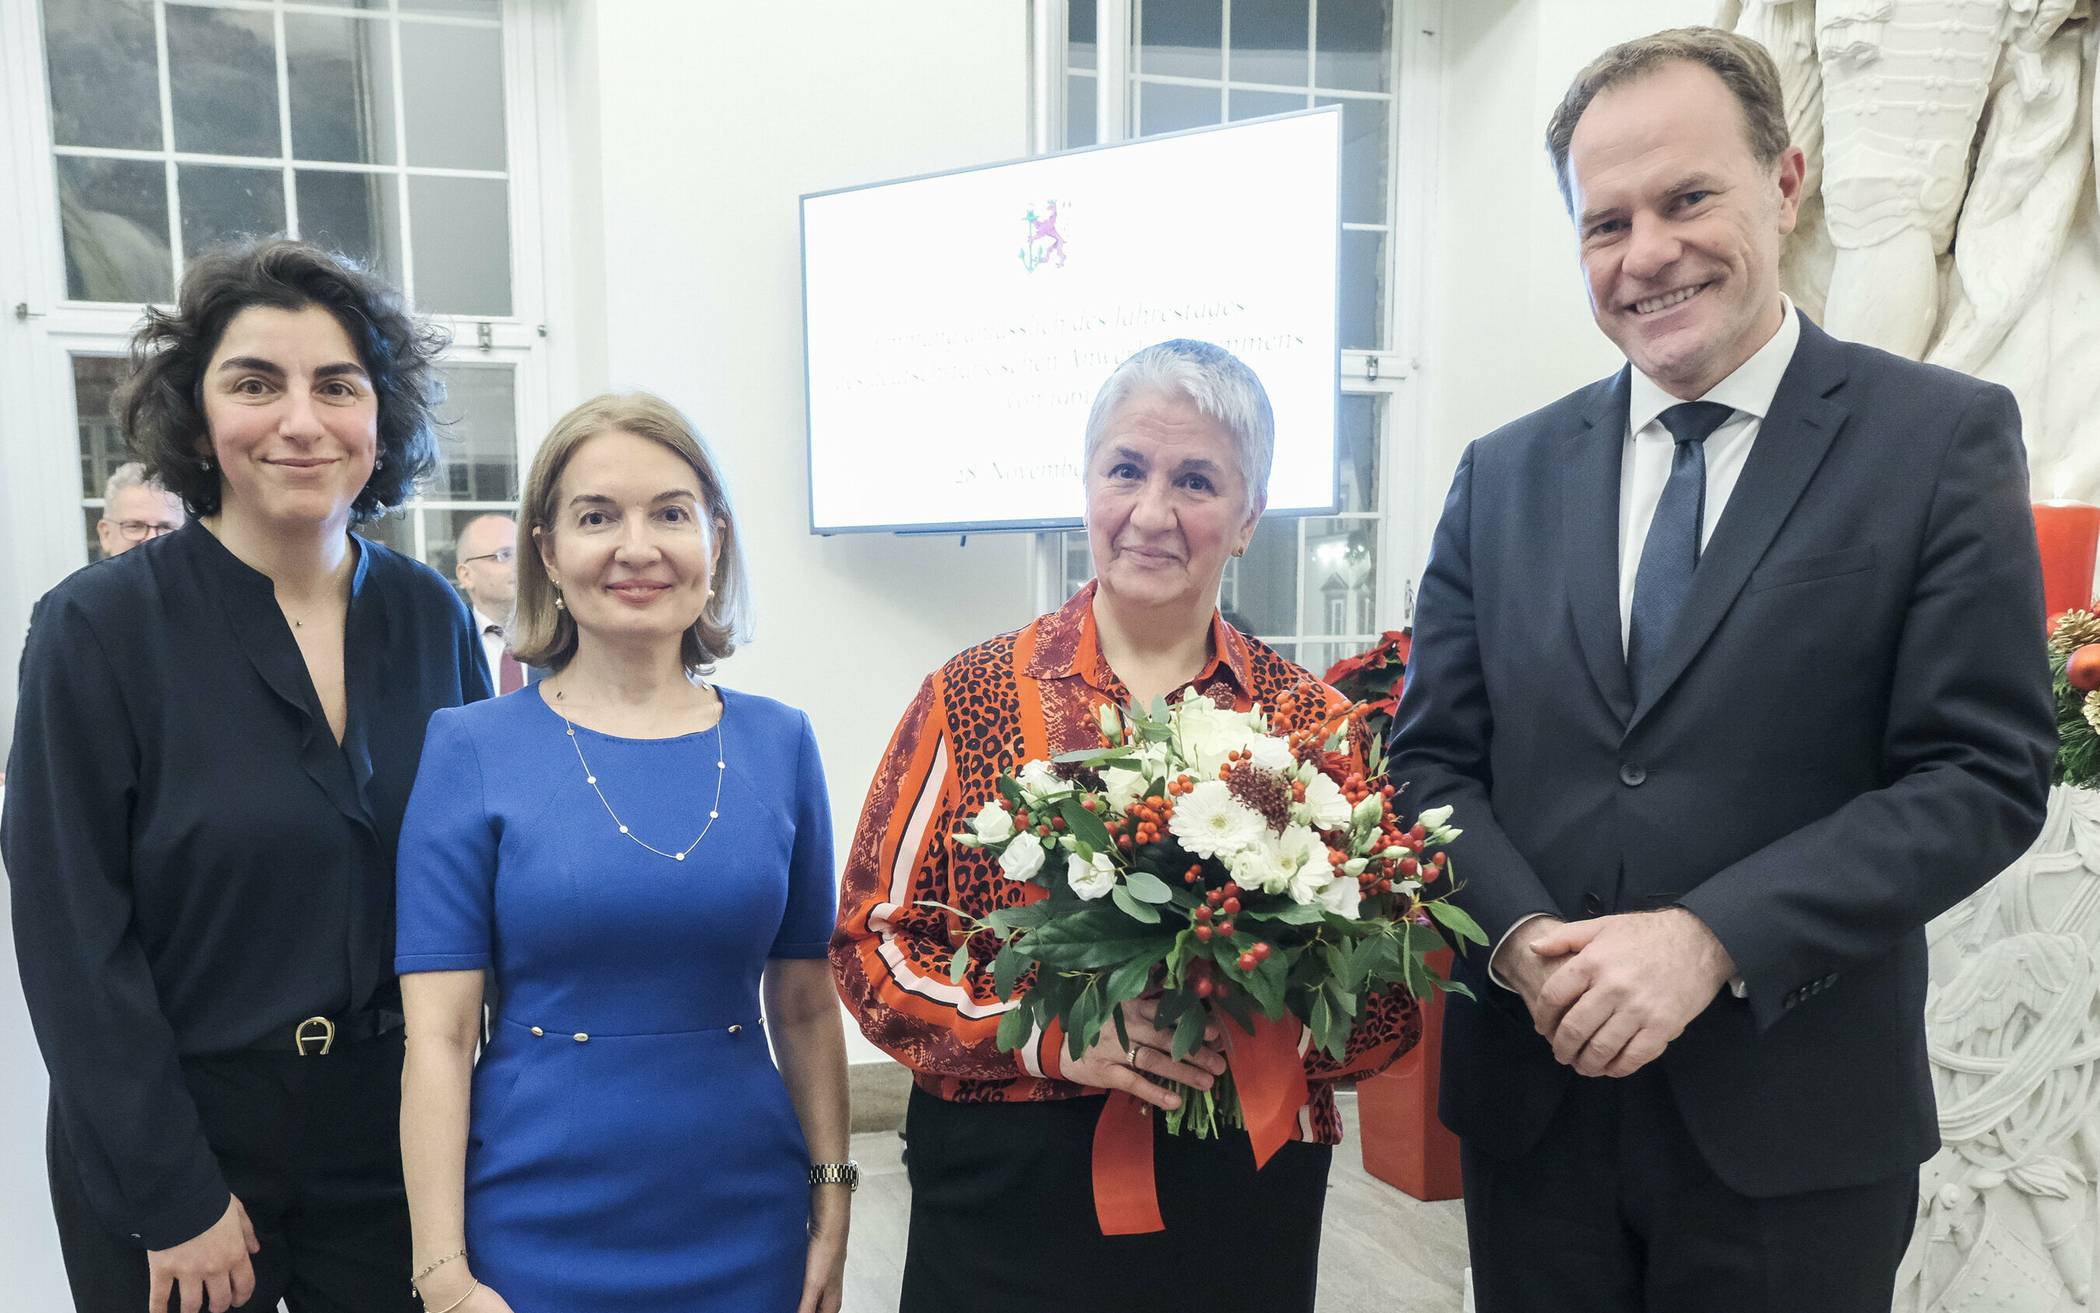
(1383, 1252)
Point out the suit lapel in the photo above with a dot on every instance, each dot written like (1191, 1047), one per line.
(1590, 531)
(1790, 446)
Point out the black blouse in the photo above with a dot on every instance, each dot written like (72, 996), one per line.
(196, 865)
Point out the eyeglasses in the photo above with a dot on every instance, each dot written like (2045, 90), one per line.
(138, 531)
(501, 556)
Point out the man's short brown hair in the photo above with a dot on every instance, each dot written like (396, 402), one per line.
(1744, 67)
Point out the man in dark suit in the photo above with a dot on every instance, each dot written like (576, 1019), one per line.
(1732, 665)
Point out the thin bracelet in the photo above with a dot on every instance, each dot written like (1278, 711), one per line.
(418, 1279)
(462, 1299)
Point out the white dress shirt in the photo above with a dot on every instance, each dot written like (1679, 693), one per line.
(492, 646)
(1645, 467)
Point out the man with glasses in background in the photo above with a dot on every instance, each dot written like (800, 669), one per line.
(135, 509)
(488, 575)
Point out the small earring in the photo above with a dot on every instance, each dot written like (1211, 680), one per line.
(559, 605)
(204, 465)
(379, 464)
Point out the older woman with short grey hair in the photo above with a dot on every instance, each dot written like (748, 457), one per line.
(1178, 449)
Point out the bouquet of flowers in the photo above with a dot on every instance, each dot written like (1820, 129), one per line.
(2074, 657)
(1238, 863)
(1374, 679)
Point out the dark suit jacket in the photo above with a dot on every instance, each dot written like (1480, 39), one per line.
(1852, 731)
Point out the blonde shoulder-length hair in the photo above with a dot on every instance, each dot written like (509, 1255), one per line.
(544, 635)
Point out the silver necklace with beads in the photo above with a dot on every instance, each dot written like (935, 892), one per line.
(590, 777)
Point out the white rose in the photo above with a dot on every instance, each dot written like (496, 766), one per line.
(1341, 897)
(1259, 864)
(1090, 879)
(1124, 787)
(1022, 858)
(1111, 722)
(1039, 780)
(1207, 734)
(1325, 806)
(993, 824)
(1271, 753)
(1307, 884)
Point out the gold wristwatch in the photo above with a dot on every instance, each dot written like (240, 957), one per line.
(846, 1174)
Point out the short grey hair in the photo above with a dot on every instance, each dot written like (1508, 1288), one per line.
(1220, 384)
(131, 474)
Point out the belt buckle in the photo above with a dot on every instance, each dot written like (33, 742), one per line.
(306, 1033)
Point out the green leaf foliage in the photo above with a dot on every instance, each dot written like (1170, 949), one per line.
(1454, 918)
(1084, 825)
(1132, 908)
(1148, 888)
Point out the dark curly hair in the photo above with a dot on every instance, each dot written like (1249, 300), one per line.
(160, 405)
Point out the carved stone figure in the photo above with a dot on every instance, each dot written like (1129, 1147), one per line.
(1951, 215)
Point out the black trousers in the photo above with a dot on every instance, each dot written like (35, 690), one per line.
(1002, 1217)
(312, 1148)
(1616, 1211)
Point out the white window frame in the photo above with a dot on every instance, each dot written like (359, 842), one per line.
(1394, 372)
(41, 539)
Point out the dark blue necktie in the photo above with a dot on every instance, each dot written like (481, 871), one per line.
(1671, 554)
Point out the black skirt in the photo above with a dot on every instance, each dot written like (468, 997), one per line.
(1002, 1217)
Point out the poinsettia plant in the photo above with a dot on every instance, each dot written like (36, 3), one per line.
(1229, 864)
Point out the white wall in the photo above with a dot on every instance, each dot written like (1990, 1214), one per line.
(695, 129)
(1507, 327)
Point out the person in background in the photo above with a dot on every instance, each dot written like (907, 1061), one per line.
(135, 509)
(224, 730)
(1178, 448)
(641, 858)
(488, 576)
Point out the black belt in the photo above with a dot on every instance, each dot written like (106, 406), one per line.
(318, 1035)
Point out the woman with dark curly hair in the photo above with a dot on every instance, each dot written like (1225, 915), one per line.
(216, 737)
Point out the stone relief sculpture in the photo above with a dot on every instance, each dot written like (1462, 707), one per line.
(1952, 202)
(1952, 216)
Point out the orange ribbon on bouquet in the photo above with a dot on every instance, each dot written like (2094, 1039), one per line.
(1268, 1076)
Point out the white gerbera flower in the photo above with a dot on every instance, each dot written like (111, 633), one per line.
(993, 823)
(1022, 858)
(1210, 822)
(1342, 896)
(1325, 807)
(1090, 879)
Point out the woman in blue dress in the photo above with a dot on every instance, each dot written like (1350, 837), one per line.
(641, 863)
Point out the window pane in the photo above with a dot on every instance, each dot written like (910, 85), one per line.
(1341, 578)
(222, 79)
(1254, 104)
(103, 70)
(1363, 291)
(461, 243)
(452, 78)
(396, 530)
(1357, 441)
(1364, 159)
(1355, 39)
(341, 73)
(1079, 33)
(477, 436)
(480, 8)
(358, 214)
(102, 448)
(1182, 38)
(1265, 584)
(115, 217)
(1270, 40)
(222, 203)
(1081, 92)
(1167, 107)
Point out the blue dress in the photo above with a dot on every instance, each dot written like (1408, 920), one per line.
(632, 1145)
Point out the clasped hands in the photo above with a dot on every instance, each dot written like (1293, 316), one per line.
(1612, 993)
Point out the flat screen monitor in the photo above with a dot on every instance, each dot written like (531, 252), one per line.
(958, 326)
